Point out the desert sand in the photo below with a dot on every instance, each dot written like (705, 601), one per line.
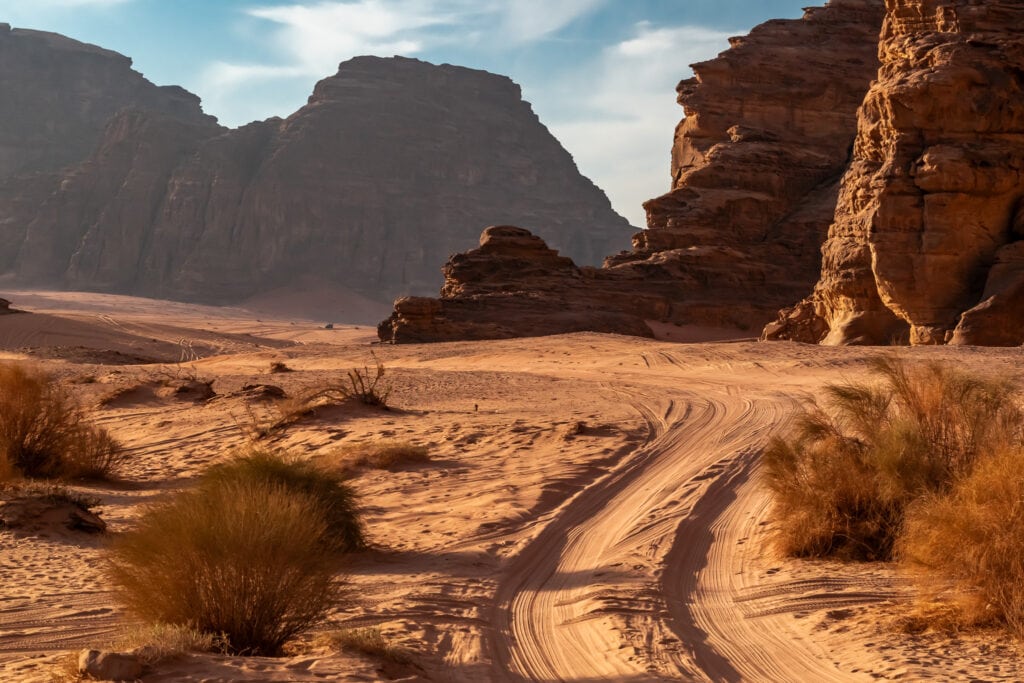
(592, 509)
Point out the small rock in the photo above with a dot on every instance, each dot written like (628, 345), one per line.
(109, 666)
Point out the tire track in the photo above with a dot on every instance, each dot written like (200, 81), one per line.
(651, 572)
(580, 601)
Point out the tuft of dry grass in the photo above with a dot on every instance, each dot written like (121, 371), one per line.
(44, 434)
(366, 641)
(334, 497)
(360, 384)
(382, 454)
(158, 643)
(246, 558)
(972, 538)
(843, 479)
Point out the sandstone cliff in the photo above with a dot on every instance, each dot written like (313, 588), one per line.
(926, 240)
(391, 166)
(59, 94)
(755, 165)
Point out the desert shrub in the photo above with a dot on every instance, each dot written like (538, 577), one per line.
(361, 384)
(240, 557)
(333, 496)
(366, 641)
(43, 432)
(844, 476)
(973, 538)
(381, 454)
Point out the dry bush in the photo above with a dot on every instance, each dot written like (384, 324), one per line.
(329, 490)
(381, 454)
(243, 558)
(43, 432)
(364, 385)
(361, 384)
(972, 537)
(366, 641)
(158, 643)
(843, 478)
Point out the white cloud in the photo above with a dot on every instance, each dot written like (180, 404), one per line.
(312, 38)
(529, 20)
(621, 136)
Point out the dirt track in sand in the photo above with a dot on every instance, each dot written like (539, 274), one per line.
(592, 511)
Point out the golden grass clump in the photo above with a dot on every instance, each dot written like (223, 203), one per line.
(382, 454)
(245, 558)
(972, 538)
(366, 641)
(843, 479)
(43, 432)
(329, 490)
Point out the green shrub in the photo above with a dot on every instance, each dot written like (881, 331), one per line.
(43, 432)
(245, 558)
(843, 478)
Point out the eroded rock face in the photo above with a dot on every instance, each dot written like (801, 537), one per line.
(59, 94)
(393, 165)
(482, 297)
(756, 166)
(925, 240)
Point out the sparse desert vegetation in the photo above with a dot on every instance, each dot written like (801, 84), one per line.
(44, 432)
(492, 523)
(381, 454)
(925, 465)
(251, 553)
(367, 641)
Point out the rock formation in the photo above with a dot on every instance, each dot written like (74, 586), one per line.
(926, 243)
(755, 165)
(59, 94)
(482, 296)
(392, 165)
(757, 162)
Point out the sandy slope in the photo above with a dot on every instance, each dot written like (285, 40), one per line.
(592, 511)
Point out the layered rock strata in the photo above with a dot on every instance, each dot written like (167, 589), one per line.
(59, 94)
(482, 299)
(392, 165)
(756, 166)
(926, 244)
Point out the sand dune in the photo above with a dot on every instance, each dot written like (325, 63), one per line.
(592, 510)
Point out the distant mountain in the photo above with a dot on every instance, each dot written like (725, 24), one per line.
(110, 183)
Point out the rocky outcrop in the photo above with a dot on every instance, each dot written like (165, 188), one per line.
(59, 94)
(481, 298)
(926, 241)
(756, 167)
(392, 165)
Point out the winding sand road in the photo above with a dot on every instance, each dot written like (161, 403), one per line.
(648, 573)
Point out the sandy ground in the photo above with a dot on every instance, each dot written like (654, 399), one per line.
(592, 510)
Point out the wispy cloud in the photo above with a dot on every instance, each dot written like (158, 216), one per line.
(311, 38)
(621, 132)
(529, 20)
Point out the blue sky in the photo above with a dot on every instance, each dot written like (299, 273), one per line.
(600, 74)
